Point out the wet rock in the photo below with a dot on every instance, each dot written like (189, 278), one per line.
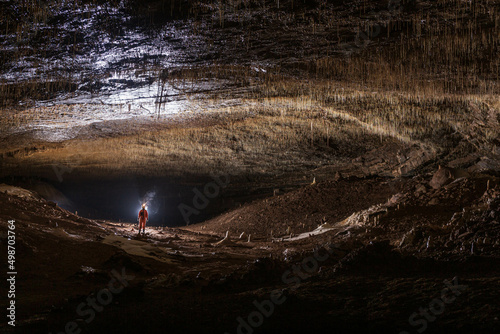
(395, 199)
(420, 188)
(485, 165)
(433, 201)
(413, 160)
(445, 175)
(464, 162)
(412, 237)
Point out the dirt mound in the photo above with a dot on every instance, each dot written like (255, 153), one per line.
(304, 209)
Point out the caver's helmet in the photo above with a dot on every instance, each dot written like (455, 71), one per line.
(144, 206)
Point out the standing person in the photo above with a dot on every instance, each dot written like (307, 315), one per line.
(143, 217)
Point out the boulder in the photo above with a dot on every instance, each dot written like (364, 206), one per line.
(445, 175)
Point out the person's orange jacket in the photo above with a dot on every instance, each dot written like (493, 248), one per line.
(143, 218)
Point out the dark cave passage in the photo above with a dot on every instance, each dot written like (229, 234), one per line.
(169, 204)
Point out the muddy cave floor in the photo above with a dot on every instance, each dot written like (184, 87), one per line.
(357, 254)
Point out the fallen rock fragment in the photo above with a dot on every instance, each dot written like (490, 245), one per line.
(445, 175)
